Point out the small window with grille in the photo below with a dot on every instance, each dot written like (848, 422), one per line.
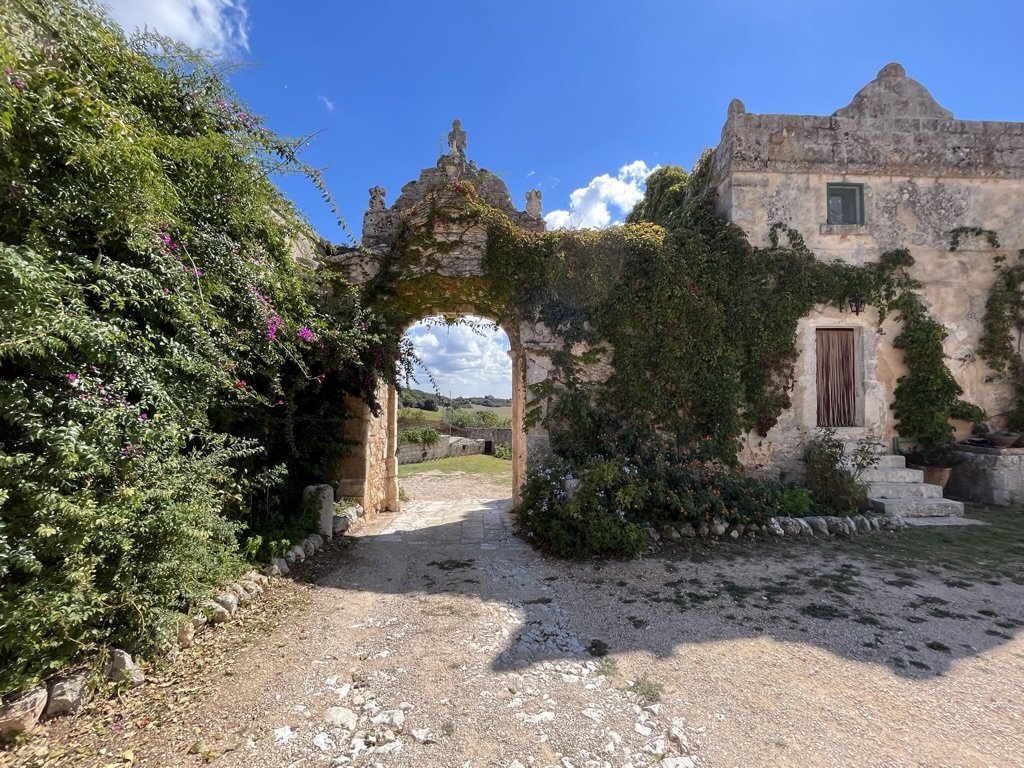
(845, 204)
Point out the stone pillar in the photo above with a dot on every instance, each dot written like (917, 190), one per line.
(391, 496)
(323, 497)
(518, 431)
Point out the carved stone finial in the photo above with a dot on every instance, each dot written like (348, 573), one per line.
(457, 139)
(893, 69)
(533, 203)
(377, 199)
(737, 107)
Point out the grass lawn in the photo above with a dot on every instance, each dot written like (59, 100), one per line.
(502, 411)
(418, 414)
(495, 469)
(996, 549)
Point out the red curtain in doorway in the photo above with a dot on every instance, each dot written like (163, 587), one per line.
(836, 381)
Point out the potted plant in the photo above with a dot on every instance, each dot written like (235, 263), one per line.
(1002, 438)
(936, 460)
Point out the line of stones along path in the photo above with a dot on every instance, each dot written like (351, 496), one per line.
(437, 638)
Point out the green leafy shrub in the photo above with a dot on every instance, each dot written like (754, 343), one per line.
(928, 396)
(795, 501)
(833, 478)
(425, 436)
(168, 373)
(503, 451)
(599, 500)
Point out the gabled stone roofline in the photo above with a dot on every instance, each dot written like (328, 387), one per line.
(892, 126)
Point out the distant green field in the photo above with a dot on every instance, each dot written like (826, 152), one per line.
(504, 411)
(499, 470)
(418, 414)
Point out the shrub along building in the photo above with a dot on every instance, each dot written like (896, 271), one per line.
(891, 172)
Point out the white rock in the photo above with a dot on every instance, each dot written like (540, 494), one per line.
(281, 564)
(184, 633)
(214, 612)
(643, 730)
(296, 554)
(677, 762)
(679, 737)
(256, 577)
(331, 681)
(69, 693)
(228, 601)
(423, 735)
(324, 742)
(593, 714)
(541, 717)
(23, 711)
(121, 669)
(283, 735)
(308, 546)
(405, 706)
(254, 589)
(341, 717)
(244, 598)
(656, 747)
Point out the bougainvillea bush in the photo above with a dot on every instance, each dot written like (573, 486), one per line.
(169, 375)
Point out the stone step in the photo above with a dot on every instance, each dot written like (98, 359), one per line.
(891, 461)
(892, 475)
(918, 507)
(882, 490)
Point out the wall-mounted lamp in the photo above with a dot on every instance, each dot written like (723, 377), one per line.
(856, 304)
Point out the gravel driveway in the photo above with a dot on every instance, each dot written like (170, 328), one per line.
(435, 637)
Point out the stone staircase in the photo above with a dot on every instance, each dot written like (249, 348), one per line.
(896, 490)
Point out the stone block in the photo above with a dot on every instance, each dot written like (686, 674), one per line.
(122, 669)
(22, 711)
(323, 497)
(69, 693)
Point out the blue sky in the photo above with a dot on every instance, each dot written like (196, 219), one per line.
(576, 98)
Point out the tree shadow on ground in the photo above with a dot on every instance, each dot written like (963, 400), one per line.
(852, 600)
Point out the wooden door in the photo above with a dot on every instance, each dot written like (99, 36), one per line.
(836, 378)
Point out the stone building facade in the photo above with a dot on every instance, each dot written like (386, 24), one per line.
(892, 169)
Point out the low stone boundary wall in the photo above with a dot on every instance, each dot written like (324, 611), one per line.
(414, 453)
(988, 475)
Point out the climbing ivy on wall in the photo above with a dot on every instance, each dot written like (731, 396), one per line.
(1002, 326)
(699, 328)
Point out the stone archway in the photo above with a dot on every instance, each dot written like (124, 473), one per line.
(422, 256)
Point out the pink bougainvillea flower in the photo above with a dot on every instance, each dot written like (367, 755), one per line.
(305, 334)
(72, 377)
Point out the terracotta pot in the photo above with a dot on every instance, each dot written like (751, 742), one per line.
(934, 475)
(1004, 441)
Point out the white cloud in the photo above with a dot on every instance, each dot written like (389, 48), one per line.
(462, 361)
(591, 206)
(220, 26)
(327, 103)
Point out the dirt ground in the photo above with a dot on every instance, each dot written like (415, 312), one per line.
(436, 637)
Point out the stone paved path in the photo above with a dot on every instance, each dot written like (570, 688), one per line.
(437, 638)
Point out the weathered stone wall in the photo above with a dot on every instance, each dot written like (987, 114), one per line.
(988, 475)
(924, 174)
(415, 453)
(423, 237)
